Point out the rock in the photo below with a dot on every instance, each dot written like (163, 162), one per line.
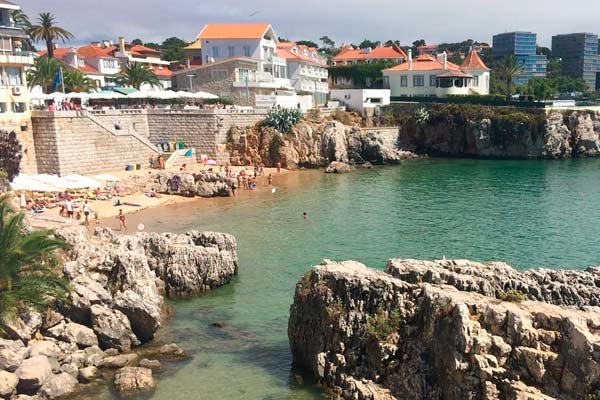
(142, 312)
(337, 167)
(151, 364)
(87, 374)
(93, 356)
(33, 373)
(45, 348)
(58, 386)
(74, 333)
(111, 352)
(12, 354)
(171, 350)
(112, 328)
(8, 384)
(51, 319)
(133, 380)
(438, 328)
(119, 361)
(23, 327)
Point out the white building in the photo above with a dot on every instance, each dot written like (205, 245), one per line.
(307, 70)
(256, 41)
(429, 76)
(361, 99)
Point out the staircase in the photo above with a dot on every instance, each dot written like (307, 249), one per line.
(178, 158)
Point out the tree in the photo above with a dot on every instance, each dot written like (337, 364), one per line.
(307, 43)
(152, 45)
(22, 21)
(136, 75)
(567, 84)
(77, 81)
(43, 73)
(367, 44)
(46, 30)
(173, 49)
(507, 71)
(391, 43)
(540, 88)
(26, 276)
(419, 43)
(543, 51)
(327, 42)
(137, 42)
(11, 154)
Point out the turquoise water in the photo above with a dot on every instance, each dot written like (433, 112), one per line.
(526, 213)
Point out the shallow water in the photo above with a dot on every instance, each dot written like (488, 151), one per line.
(525, 213)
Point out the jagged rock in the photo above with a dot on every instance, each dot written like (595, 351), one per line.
(93, 356)
(172, 350)
(119, 361)
(51, 319)
(113, 329)
(59, 385)
(369, 334)
(87, 374)
(74, 333)
(150, 364)
(33, 373)
(70, 368)
(23, 327)
(12, 354)
(134, 380)
(142, 312)
(337, 167)
(45, 348)
(8, 384)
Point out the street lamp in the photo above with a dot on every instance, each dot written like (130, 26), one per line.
(191, 76)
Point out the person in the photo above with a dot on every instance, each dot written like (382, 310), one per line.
(161, 162)
(305, 215)
(86, 212)
(151, 161)
(278, 167)
(122, 223)
(69, 207)
(233, 187)
(270, 179)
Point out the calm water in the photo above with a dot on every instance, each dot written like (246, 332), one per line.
(526, 213)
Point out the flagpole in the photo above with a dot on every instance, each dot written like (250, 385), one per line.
(62, 80)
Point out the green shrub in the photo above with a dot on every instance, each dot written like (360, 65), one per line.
(513, 295)
(223, 100)
(282, 119)
(382, 325)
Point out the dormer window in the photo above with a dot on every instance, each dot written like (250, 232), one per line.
(294, 49)
(80, 62)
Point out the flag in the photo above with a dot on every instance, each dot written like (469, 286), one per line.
(56, 81)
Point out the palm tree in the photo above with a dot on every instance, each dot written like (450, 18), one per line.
(22, 21)
(26, 275)
(136, 75)
(76, 81)
(47, 31)
(507, 71)
(43, 73)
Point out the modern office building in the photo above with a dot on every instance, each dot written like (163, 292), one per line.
(521, 45)
(579, 56)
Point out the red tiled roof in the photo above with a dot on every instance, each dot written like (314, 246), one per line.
(473, 61)
(349, 53)
(138, 48)
(162, 72)
(93, 51)
(58, 53)
(284, 50)
(425, 62)
(233, 31)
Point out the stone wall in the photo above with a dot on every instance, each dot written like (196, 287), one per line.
(90, 142)
(22, 127)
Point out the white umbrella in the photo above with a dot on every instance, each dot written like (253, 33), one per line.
(56, 95)
(143, 94)
(27, 183)
(204, 95)
(38, 96)
(76, 95)
(82, 182)
(52, 180)
(105, 95)
(107, 178)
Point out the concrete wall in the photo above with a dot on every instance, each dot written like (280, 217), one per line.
(88, 142)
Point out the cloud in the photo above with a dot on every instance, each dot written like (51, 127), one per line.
(343, 20)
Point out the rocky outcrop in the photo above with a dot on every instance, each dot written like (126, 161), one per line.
(132, 380)
(338, 167)
(437, 330)
(466, 130)
(118, 283)
(201, 184)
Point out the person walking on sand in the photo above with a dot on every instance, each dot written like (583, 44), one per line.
(86, 212)
(270, 179)
(278, 167)
(69, 207)
(122, 223)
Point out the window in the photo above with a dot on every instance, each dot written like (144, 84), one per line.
(197, 58)
(19, 108)
(219, 75)
(247, 51)
(110, 64)
(404, 81)
(386, 82)
(243, 74)
(476, 80)
(1, 76)
(419, 80)
(432, 80)
(231, 51)
(215, 52)
(3, 108)
(13, 76)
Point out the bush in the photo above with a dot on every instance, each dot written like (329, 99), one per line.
(282, 119)
(513, 295)
(382, 325)
(223, 100)
(11, 154)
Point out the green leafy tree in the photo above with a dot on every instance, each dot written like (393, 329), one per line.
(554, 68)
(77, 81)
(391, 43)
(540, 50)
(507, 71)
(136, 42)
(367, 44)
(327, 42)
(173, 49)
(152, 45)
(136, 75)
(27, 278)
(418, 43)
(42, 73)
(567, 84)
(307, 43)
(11, 154)
(540, 88)
(47, 30)
(22, 21)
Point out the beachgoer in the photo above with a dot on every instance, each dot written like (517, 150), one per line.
(69, 206)
(233, 189)
(151, 161)
(305, 215)
(270, 179)
(122, 223)
(278, 167)
(86, 212)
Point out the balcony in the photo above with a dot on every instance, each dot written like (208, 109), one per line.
(320, 73)
(306, 85)
(16, 57)
(263, 80)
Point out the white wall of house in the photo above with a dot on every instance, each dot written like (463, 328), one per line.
(481, 81)
(359, 99)
(410, 85)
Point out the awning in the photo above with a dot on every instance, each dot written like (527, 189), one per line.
(125, 90)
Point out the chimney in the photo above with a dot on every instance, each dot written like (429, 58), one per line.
(445, 60)
(410, 60)
(121, 44)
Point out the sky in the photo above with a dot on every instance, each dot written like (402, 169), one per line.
(345, 21)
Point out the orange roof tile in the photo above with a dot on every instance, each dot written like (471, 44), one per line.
(162, 72)
(424, 63)
(349, 53)
(138, 48)
(284, 50)
(233, 31)
(60, 52)
(473, 61)
(93, 51)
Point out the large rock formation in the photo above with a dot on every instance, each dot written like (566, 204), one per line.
(441, 331)
(118, 285)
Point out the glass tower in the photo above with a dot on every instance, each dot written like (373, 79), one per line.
(579, 56)
(523, 46)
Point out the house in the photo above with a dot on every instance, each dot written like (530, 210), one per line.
(430, 49)
(15, 112)
(193, 53)
(307, 70)
(350, 55)
(360, 100)
(128, 54)
(220, 42)
(428, 76)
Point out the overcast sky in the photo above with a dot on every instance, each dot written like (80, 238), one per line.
(342, 20)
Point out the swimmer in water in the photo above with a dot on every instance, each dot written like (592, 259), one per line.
(305, 215)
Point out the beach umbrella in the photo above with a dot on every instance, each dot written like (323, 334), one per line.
(105, 95)
(52, 180)
(76, 95)
(107, 178)
(38, 96)
(82, 182)
(144, 94)
(204, 95)
(27, 183)
(56, 95)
